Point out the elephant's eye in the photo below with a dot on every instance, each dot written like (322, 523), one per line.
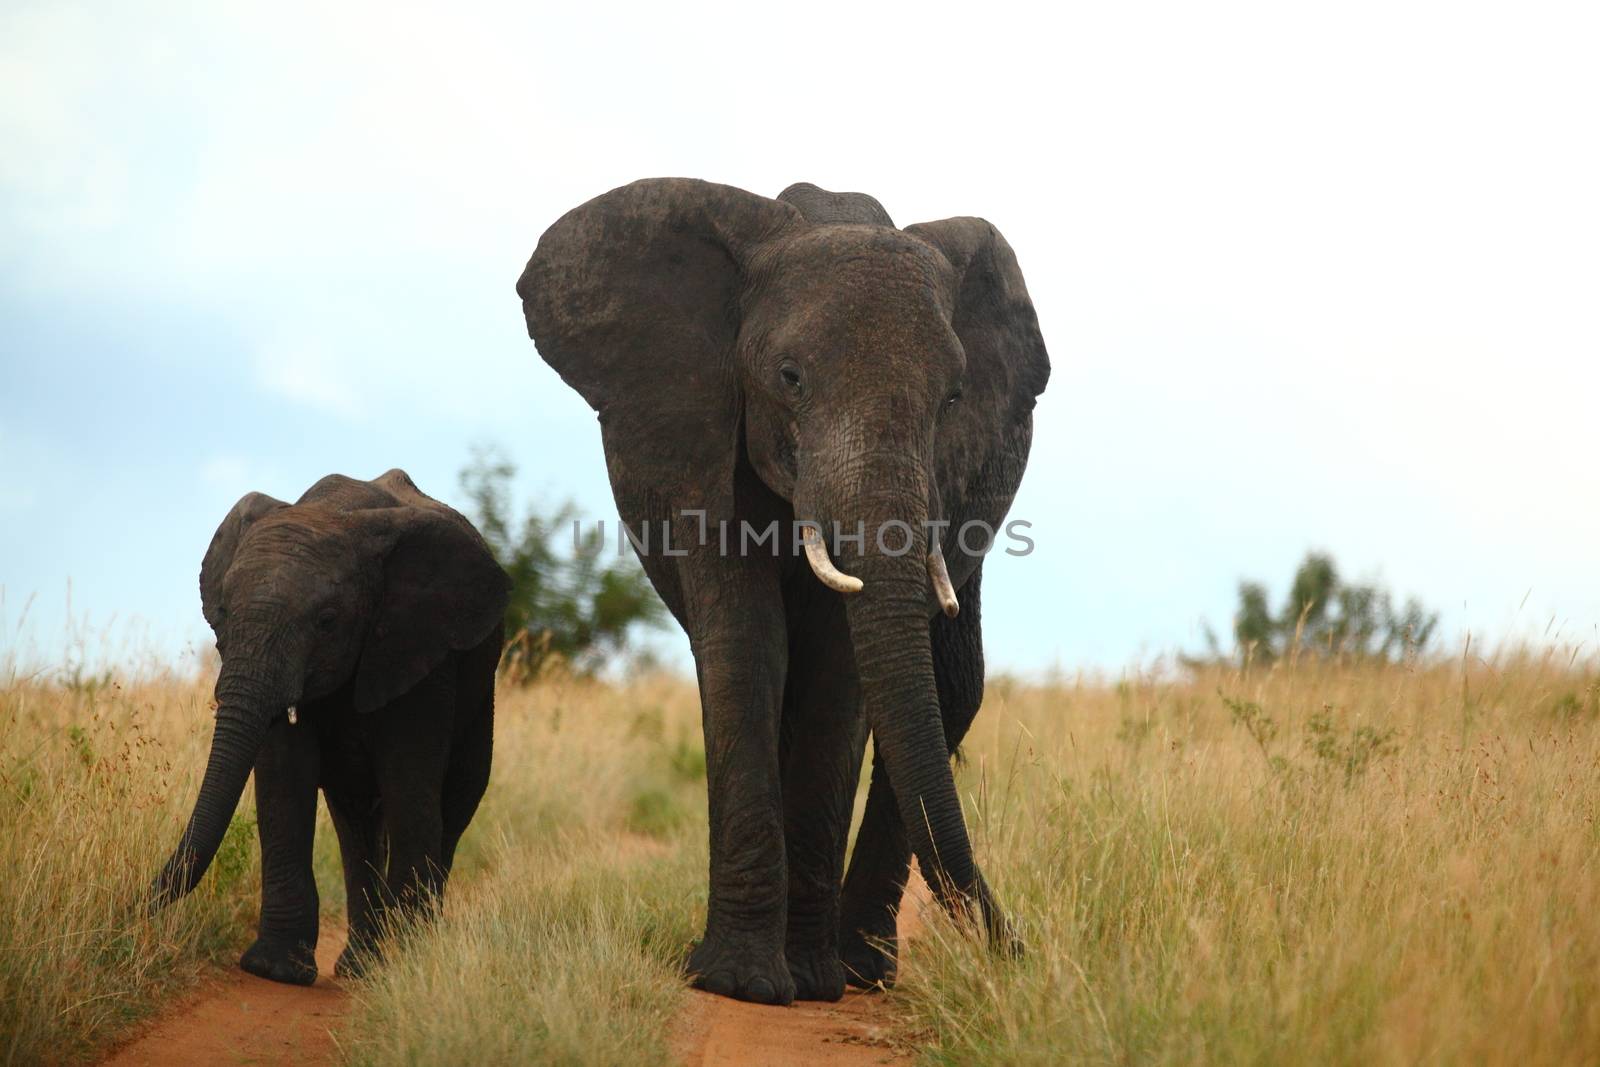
(950, 401)
(791, 378)
(326, 619)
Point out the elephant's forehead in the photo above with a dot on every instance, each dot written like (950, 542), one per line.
(863, 249)
(299, 529)
(860, 270)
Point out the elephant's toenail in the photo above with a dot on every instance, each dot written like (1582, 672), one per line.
(718, 982)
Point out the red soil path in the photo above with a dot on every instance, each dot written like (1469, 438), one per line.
(237, 1018)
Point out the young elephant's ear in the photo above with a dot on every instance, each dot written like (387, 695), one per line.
(442, 592)
(1007, 366)
(224, 543)
(634, 299)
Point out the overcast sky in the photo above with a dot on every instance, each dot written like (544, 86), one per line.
(1309, 278)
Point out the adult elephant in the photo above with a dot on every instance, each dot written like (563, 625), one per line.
(803, 360)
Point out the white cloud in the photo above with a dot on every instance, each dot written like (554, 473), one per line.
(308, 375)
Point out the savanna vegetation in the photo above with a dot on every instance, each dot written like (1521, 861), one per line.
(1322, 860)
(574, 894)
(576, 602)
(1324, 614)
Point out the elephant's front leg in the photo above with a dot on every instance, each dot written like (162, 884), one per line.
(740, 659)
(822, 740)
(286, 817)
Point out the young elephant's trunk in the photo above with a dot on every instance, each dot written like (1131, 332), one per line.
(242, 718)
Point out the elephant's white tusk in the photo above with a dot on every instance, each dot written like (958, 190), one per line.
(822, 566)
(941, 582)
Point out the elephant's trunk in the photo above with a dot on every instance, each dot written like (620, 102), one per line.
(889, 630)
(242, 717)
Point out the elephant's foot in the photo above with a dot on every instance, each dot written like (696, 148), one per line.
(817, 973)
(357, 959)
(731, 967)
(868, 958)
(289, 960)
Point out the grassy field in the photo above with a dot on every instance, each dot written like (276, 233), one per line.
(1316, 863)
(575, 892)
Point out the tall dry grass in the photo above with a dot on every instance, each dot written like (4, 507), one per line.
(93, 780)
(581, 886)
(576, 889)
(1317, 863)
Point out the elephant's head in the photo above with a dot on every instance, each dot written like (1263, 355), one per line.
(858, 369)
(358, 587)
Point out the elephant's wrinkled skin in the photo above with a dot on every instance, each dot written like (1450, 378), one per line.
(374, 612)
(801, 358)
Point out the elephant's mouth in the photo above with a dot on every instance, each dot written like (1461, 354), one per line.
(829, 575)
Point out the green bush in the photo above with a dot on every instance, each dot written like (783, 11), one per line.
(569, 607)
(1324, 615)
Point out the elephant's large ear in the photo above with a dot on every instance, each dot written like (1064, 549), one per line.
(224, 543)
(634, 299)
(442, 591)
(1007, 365)
(821, 205)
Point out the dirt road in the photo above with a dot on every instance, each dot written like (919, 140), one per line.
(717, 1032)
(241, 1019)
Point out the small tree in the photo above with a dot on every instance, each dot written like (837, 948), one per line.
(572, 607)
(1325, 616)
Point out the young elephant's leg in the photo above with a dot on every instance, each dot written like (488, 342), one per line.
(359, 822)
(472, 750)
(464, 787)
(410, 753)
(823, 735)
(286, 817)
(736, 625)
(415, 873)
(881, 861)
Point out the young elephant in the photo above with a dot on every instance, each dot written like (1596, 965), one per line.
(359, 630)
